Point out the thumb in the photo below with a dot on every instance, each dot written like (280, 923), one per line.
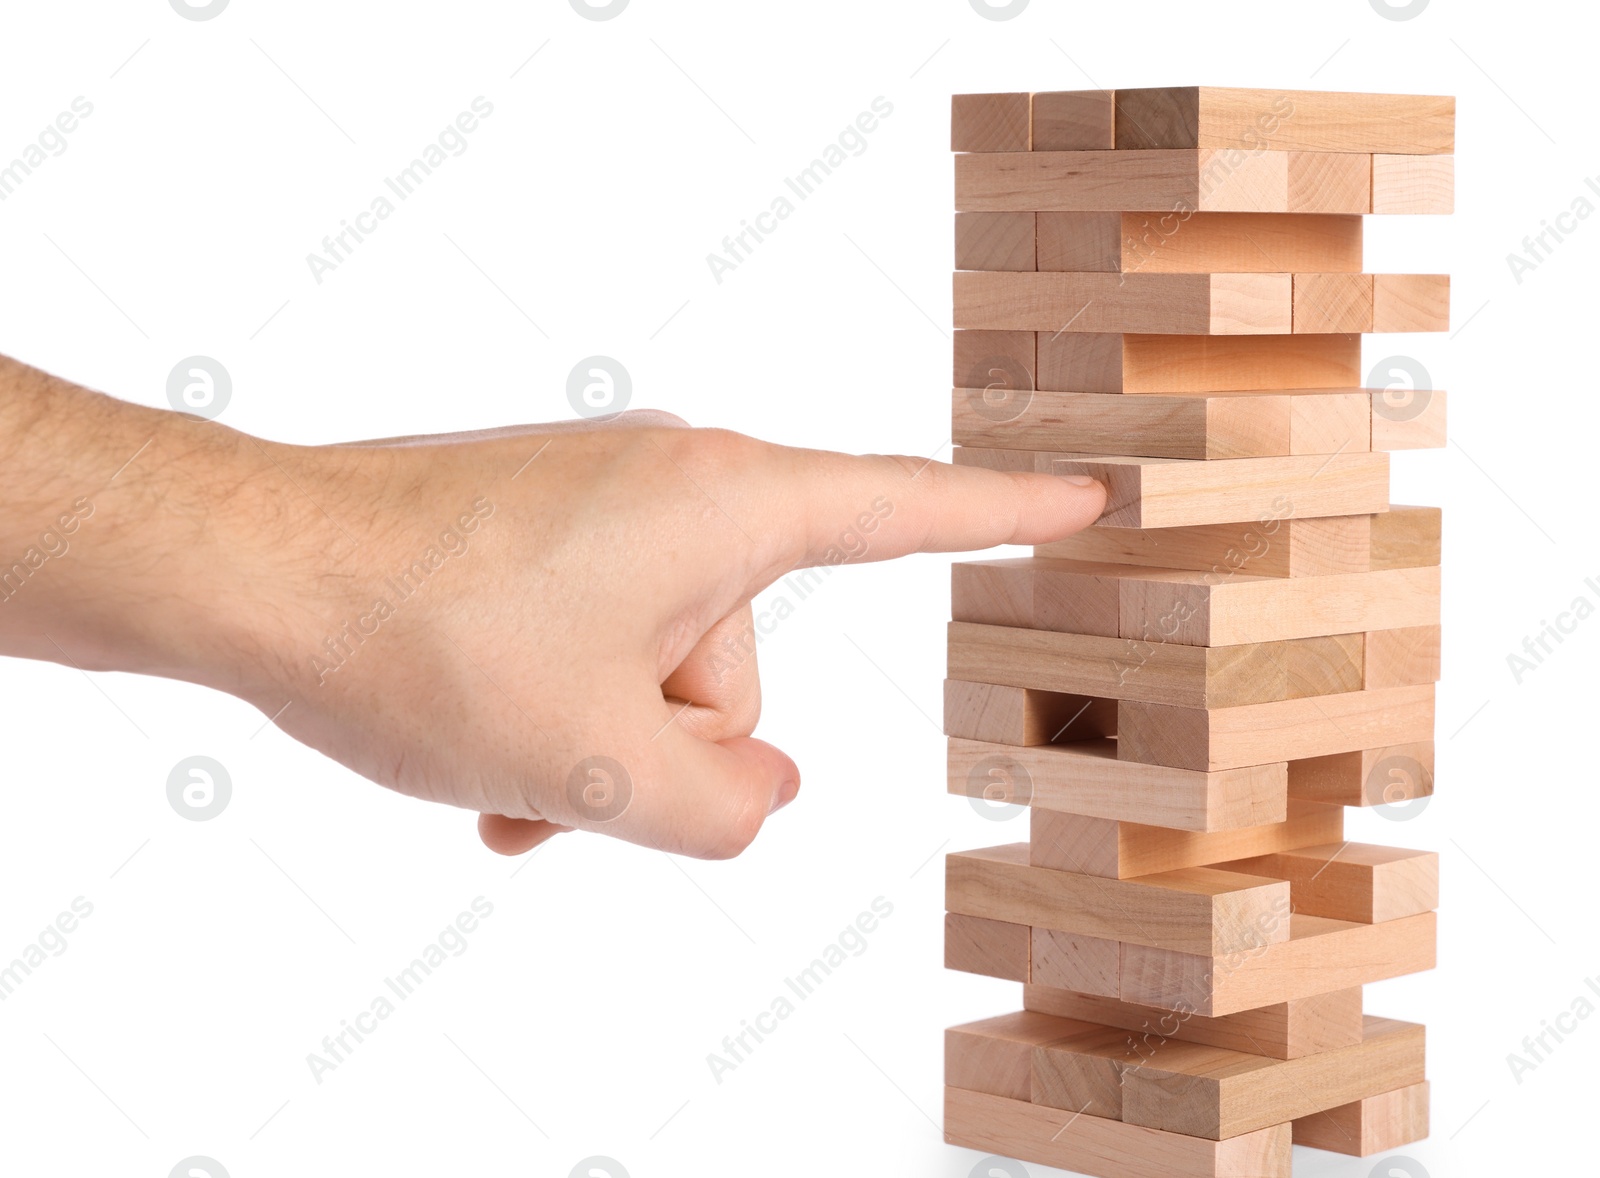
(708, 799)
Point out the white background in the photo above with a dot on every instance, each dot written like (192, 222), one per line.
(578, 1022)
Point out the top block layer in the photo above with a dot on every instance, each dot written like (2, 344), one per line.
(1285, 120)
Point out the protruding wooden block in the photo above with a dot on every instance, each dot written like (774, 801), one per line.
(1086, 777)
(1328, 182)
(1316, 547)
(1401, 658)
(1171, 425)
(1075, 962)
(1196, 910)
(1198, 608)
(1212, 1092)
(1254, 734)
(1326, 303)
(1122, 850)
(1413, 184)
(1368, 777)
(1085, 1073)
(1074, 120)
(1169, 493)
(1122, 181)
(1180, 304)
(1067, 596)
(1411, 302)
(1369, 1126)
(1408, 419)
(1406, 537)
(1181, 674)
(997, 714)
(1284, 120)
(1286, 1030)
(1088, 362)
(994, 241)
(1351, 881)
(994, 363)
(993, 948)
(1099, 1146)
(1320, 955)
(995, 1055)
(1197, 243)
(989, 122)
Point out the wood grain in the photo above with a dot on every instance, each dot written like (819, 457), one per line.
(1372, 1125)
(1086, 777)
(1121, 181)
(1285, 1030)
(1351, 881)
(1090, 362)
(995, 241)
(989, 122)
(1255, 734)
(1320, 955)
(993, 948)
(1074, 120)
(1413, 184)
(1195, 910)
(1284, 120)
(1103, 1148)
(1166, 304)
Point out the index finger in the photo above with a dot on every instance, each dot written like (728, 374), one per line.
(840, 508)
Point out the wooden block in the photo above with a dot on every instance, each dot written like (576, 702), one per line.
(1121, 181)
(1411, 302)
(1072, 597)
(989, 122)
(1017, 716)
(1172, 425)
(1315, 547)
(993, 948)
(1320, 955)
(1122, 850)
(1103, 1148)
(1401, 658)
(1332, 303)
(1413, 184)
(1074, 120)
(1351, 881)
(1182, 304)
(1085, 1073)
(1079, 242)
(1406, 537)
(1200, 243)
(1328, 182)
(1286, 1030)
(1375, 1124)
(1170, 493)
(1196, 910)
(1368, 777)
(1284, 120)
(994, 241)
(995, 1055)
(995, 362)
(1212, 1092)
(1201, 609)
(1180, 674)
(1408, 419)
(1077, 963)
(1258, 734)
(1085, 777)
(1089, 362)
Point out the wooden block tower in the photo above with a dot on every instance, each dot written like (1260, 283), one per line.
(1164, 288)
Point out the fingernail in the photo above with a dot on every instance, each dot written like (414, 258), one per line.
(787, 792)
(1080, 480)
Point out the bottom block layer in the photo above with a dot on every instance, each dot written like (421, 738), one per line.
(1107, 1149)
(1365, 1127)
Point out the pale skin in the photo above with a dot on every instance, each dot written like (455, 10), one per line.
(578, 590)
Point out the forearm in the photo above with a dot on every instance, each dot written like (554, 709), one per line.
(120, 539)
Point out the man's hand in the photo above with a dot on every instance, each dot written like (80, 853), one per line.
(549, 625)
